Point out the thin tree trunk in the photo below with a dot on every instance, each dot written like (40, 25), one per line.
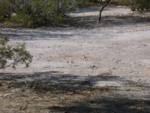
(102, 8)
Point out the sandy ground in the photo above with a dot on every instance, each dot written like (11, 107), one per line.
(118, 48)
(122, 50)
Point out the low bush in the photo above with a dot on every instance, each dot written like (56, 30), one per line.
(33, 13)
(85, 3)
(124, 2)
(142, 5)
(11, 56)
(139, 5)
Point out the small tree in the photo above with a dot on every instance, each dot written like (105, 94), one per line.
(105, 4)
(139, 5)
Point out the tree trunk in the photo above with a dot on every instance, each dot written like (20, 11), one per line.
(102, 8)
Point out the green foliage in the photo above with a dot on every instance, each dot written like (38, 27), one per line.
(33, 13)
(11, 56)
(124, 2)
(4, 9)
(142, 5)
(84, 3)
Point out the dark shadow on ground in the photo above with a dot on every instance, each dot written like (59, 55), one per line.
(89, 22)
(36, 34)
(54, 82)
(47, 81)
(106, 105)
(51, 81)
(72, 24)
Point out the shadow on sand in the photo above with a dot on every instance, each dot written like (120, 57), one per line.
(106, 105)
(89, 22)
(60, 83)
(46, 81)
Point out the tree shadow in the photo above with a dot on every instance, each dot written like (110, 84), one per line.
(106, 105)
(47, 81)
(89, 22)
(86, 22)
(36, 34)
(56, 83)
(53, 81)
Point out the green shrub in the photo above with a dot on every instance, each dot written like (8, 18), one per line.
(124, 2)
(35, 12)
(139, 5)
(4, 9)
(84, 3)
(11, 56)
(22, 20)
(142, 5)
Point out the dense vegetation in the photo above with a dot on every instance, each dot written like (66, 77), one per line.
(33, 13)
(141, 5)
